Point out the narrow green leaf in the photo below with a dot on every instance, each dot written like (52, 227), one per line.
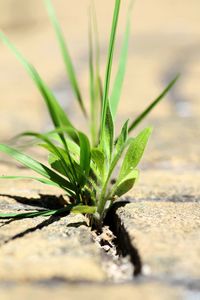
(95, 79)
(126, 184)
(42, 180)
(66, 170)
(93, 119)
(69, 131)
(118, 83)
(109, 63)
(134, 153)
(37, 167)
(33, 214)
(85, 154)
(53, 135)
(56, 164)
(65, 53)
(22, 215)
(58, 116)
(138, 120)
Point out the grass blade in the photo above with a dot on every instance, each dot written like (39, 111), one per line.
(42, 180)
(84, 209)
(85, 153)
(118, 83)
(152, 105)
(33, 214)
(109, 63)
(93, 112)
(37, 167)
(67, 171)
(95, 79)
(66, 56)
(58, 116)
(22, 215)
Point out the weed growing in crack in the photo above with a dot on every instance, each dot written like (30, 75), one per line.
(83, 166)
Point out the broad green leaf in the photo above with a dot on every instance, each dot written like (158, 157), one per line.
(99, 159)
(139, 119)
(119, 147)
(134, 153)
(118, 83)
(121, 141)
(83, 209)
(37, 167)
(107, 139)
(126, 184)
(109, 63)
(66, 56)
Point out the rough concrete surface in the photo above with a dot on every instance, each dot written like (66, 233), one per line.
(42, 249)
(57, 258)
(167, 236)
(103, 292)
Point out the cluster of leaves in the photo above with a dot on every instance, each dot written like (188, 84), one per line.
(83, 167)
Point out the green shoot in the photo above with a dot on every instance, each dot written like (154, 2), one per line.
(81, 166)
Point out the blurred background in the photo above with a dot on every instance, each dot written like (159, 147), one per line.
(165, 40)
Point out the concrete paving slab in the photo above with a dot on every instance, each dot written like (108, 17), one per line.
(89, 292)
(167, 237)
(42, 249)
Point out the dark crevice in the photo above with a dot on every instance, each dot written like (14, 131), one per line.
(122, 241)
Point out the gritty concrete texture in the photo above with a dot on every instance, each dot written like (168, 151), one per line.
(90, 292)
(42, 249)
(167, 237)
(168, 184)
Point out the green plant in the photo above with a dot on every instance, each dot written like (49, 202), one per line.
(80, 166)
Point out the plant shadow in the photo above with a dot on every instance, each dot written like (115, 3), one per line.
(42, 202)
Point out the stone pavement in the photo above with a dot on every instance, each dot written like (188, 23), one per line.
(57, 258)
